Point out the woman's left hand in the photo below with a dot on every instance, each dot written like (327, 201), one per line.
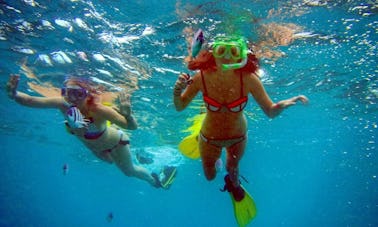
(124, 104)
(292, 101)
(12, 84)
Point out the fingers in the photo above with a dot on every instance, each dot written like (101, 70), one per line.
(302, 98)
(13, 80)
(185, 78)
(14, 77)
(12, 85)
(293, 100)
(124, 98)
(127, 98)
(124, 103)
(182, 81)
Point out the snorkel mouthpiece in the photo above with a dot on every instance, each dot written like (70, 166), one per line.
(235, 65)
(238, 42)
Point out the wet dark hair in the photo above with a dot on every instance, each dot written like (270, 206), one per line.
(205, 61)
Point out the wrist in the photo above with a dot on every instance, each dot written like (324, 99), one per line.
(277, 106)
(177, 92)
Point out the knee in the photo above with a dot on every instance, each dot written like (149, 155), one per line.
(211, 176)
(129, 171)
(232, 170)
(210, 173)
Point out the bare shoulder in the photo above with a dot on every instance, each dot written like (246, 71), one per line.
(252, 78)
(196, 76)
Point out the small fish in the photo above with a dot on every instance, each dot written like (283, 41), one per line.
(65, 169)
(110, 217)
(197, 43)
(75, 118)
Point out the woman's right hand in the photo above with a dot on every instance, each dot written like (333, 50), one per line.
(12, 85)
(181, 83)
(124, 104)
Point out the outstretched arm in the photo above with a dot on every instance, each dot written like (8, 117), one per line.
(262, 98)
(278, 107)
(27, 100)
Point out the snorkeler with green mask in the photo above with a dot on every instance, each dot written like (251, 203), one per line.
(234, 48)
(225, 74)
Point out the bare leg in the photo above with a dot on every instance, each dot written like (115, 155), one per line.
(209, 154)
(122, 158)
(234, 154)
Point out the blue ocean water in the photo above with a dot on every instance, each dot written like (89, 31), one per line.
(314, 165)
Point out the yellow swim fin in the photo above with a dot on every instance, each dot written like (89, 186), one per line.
(165, 178)
(245, 209)
(244, 206)
(189, 147)
(169, 176)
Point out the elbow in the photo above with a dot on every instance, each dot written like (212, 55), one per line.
(179, 106)
(269, 114)
(273, 112)
(179, 103)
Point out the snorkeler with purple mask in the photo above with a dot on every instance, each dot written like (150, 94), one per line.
(88, 119)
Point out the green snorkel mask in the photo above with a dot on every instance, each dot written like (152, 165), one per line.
(233, 47)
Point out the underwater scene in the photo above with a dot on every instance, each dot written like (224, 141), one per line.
(316, 164)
